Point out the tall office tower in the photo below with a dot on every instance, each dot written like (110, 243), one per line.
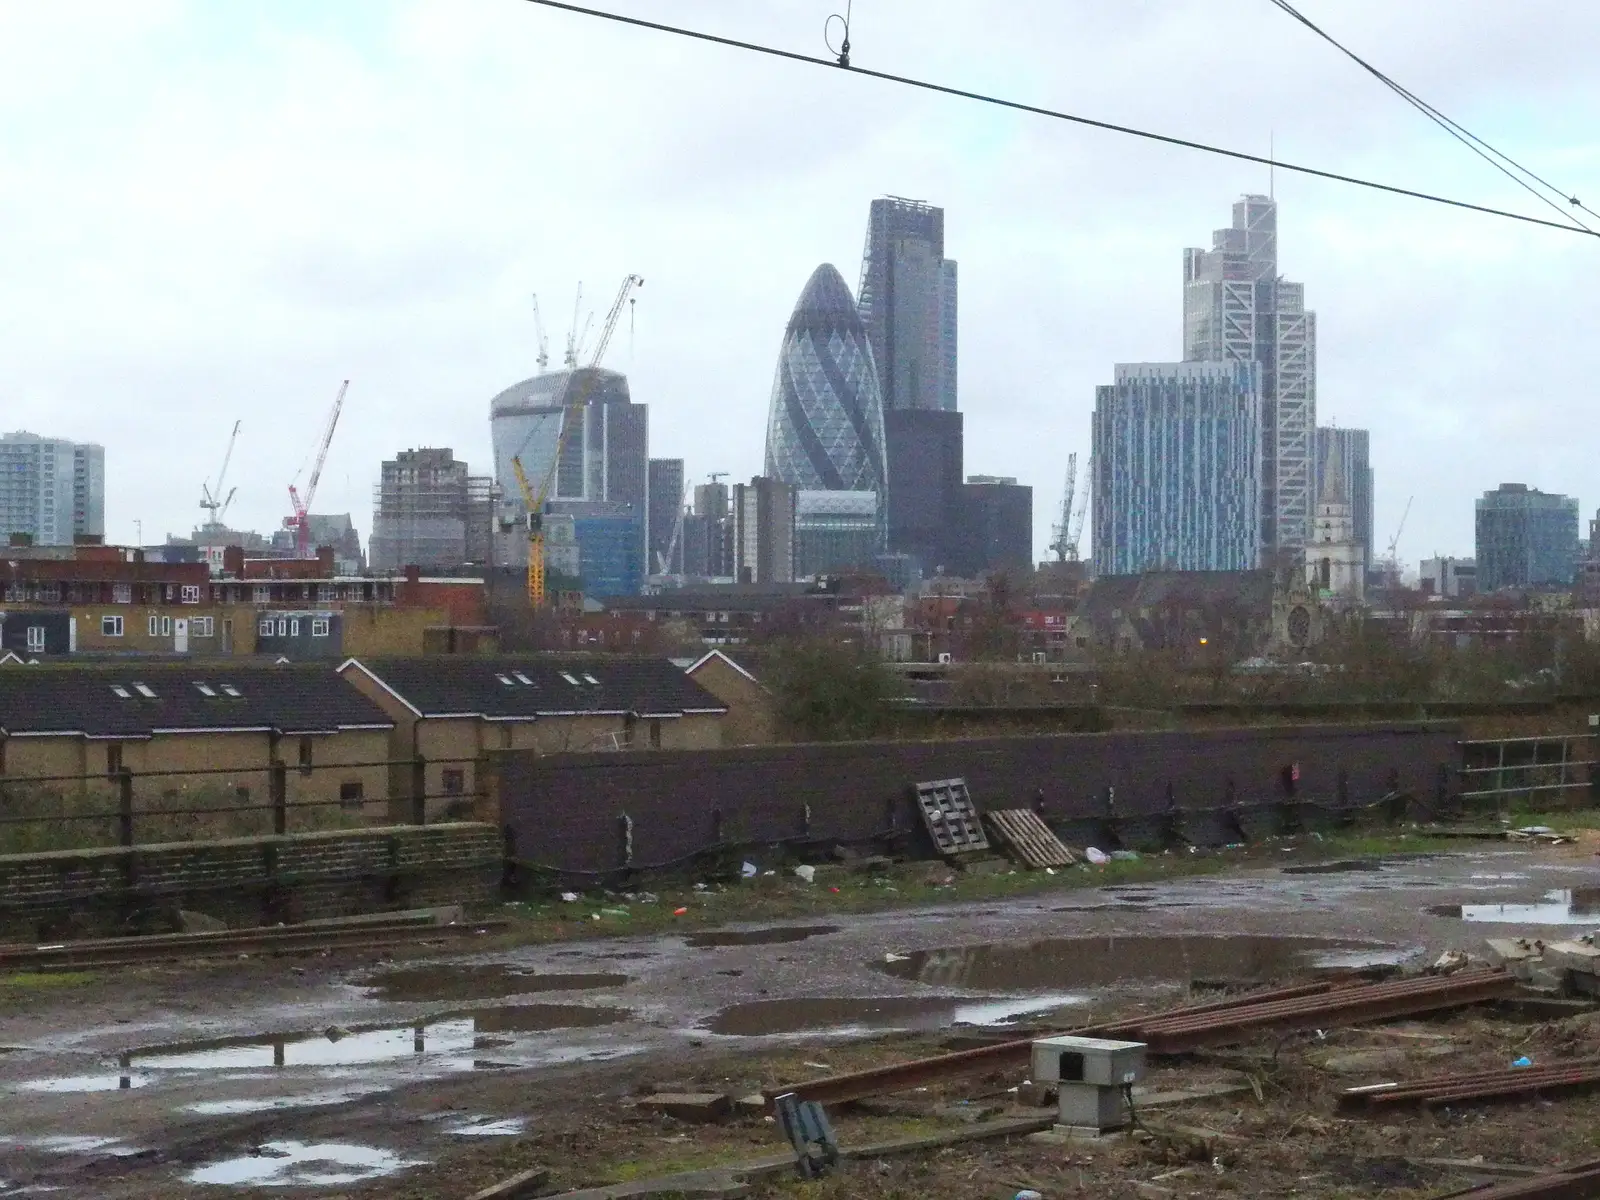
(1353, 447)
(825, 425)
(925, 474)
(605, 460)
(908, 304)
(763, 531)
(711, 530)
(1525, 538)
(666, 501)
(996, 525)
(51, 489)
(428, 510)
(1177, 468)
(1237, 308)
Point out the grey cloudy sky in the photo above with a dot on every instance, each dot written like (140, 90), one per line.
(217, 211)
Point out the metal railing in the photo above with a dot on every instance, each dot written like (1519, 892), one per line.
(1511, 771)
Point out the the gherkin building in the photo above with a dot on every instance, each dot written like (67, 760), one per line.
(825, 429)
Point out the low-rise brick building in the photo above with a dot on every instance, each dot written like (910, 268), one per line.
(190, 728)
(450, 712)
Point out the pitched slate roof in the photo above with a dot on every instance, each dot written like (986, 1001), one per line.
(137, 700)
(526, 687)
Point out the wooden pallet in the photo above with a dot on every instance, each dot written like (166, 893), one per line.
(951, 817)
(1029, 838)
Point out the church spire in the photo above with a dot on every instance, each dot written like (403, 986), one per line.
(1333, 489)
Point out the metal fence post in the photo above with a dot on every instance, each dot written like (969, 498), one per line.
(125, 807)
(278, 785)
(419, 790)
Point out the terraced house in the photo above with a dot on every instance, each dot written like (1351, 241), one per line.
(452, 712)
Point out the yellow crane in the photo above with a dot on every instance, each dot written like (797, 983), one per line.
(535, 499)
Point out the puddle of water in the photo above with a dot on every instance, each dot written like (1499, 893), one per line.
(477, 983)
(1097, 961)
(297, 1164)
(845, 1016)
(1575, 906)
(488, 1127)
(69, 1144)
(86, 1083)
(451, 1034)
(233, 1108)
(759, 937)
(1342, 867)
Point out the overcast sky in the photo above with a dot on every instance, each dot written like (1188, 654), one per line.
(212, 212)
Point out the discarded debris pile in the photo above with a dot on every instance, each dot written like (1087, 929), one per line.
(1568, 1183)
(1569, 967)
(1513, 1083)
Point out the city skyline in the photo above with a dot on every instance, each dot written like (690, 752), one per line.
(239, 260)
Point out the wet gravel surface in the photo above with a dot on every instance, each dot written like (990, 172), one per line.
(141, 1082)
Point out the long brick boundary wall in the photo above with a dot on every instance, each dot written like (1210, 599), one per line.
(595, 814)
(249, 881)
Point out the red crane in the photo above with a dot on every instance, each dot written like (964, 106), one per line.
(300, 522)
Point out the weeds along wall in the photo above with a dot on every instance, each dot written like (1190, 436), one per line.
(596, 814)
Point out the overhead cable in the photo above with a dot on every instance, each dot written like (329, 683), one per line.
(1037, 110)
(1466, 137)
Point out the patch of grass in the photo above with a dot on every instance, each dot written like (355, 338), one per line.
(45, 980)
(839, 891)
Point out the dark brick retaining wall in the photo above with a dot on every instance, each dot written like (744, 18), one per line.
(249, 881)
(577, 813)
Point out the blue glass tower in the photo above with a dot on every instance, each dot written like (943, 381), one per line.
(825, 427)
(1177, 468)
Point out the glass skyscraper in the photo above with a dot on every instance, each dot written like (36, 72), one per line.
(908, 304)
(1354, 462)
(605, 461)
(1525, 538)
(825, 425)
(1237, 308)
(1177, 468)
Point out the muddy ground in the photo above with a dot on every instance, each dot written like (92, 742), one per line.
(358, 1076)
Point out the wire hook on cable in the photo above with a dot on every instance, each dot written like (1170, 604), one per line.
(843, 49)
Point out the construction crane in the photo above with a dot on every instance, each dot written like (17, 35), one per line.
(570, 359)
(1394, 542)
(535, 499)
(1061, 532)
(300, 522)
(544, 343)
(214, 502)
(1075, 538)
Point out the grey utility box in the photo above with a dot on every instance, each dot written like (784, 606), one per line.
(1089, 1074)
(1087, 1060)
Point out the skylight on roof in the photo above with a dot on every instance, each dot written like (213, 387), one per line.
(521, 678)
(229, 690)
(588, 678)
(206, 689)
(570, 679)
(144, 691)
(506, 679)
(122, 691)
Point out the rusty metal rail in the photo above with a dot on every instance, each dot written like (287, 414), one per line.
(1480, 1085)
(1581, 1181)
(1306, 1006)
(112, 952)
(1180, 1033)
(900, 1077)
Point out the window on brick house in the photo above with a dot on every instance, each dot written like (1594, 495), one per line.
(455, 781)
(114, 759)
(305, 756)
(350, 793)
